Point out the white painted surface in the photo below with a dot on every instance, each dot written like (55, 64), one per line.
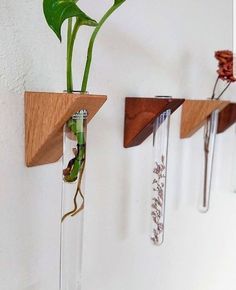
(154, 48)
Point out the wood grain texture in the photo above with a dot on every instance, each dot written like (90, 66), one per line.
(45, 116)
(227, 118)
(140, 114)
(195, 114)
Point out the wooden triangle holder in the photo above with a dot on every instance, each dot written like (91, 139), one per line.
(45, 116)
(140, 115)
(196, 112)
(227, 117)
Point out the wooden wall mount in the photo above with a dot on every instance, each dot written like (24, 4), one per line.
(140, 114)
(195, 114)
(45, 116)
(227, 117)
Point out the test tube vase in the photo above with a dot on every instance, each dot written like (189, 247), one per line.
(143, 117)
(210, 131)
(160, 157)
(195, 114)
(73, 201)
(51, 120)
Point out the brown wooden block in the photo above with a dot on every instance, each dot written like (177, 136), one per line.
(227, 118)
(196, 112)
(45, 116)
(140, 114)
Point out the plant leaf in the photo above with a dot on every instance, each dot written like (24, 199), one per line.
(118, 2)
(57, 11)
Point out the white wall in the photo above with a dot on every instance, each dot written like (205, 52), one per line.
(148, 48)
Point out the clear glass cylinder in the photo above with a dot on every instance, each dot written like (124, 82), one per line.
(74, 157)
(160, 152)
(209, 150)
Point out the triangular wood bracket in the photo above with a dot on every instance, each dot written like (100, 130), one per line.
(227, 118)
(45, 116)
(140, 114)
(196, 112)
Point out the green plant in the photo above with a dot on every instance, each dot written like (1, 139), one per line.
(56, 12)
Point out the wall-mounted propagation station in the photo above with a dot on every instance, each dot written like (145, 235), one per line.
(143, 117)
(196, 114)
(56, 125)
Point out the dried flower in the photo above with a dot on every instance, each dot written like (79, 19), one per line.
(225, 67)
(157, 212)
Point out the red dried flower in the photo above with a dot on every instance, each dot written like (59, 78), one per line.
(225, 67)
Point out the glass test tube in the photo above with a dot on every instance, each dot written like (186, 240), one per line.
(160, 152)
(209, 149)
(73, 202)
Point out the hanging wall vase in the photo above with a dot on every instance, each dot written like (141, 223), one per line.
(46, 114)
(160, 152)
(144, 116)
(195, 114)
(73, 200)
(210, 131)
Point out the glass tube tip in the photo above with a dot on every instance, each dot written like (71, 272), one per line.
(203, 209)
(163, 97)
(82, 114)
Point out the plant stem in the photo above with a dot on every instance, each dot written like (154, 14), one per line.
(70, 46)
(214, 89)
(91, 45)
(206, 151)
(78, 166)
(223, 91)
(68, 69)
